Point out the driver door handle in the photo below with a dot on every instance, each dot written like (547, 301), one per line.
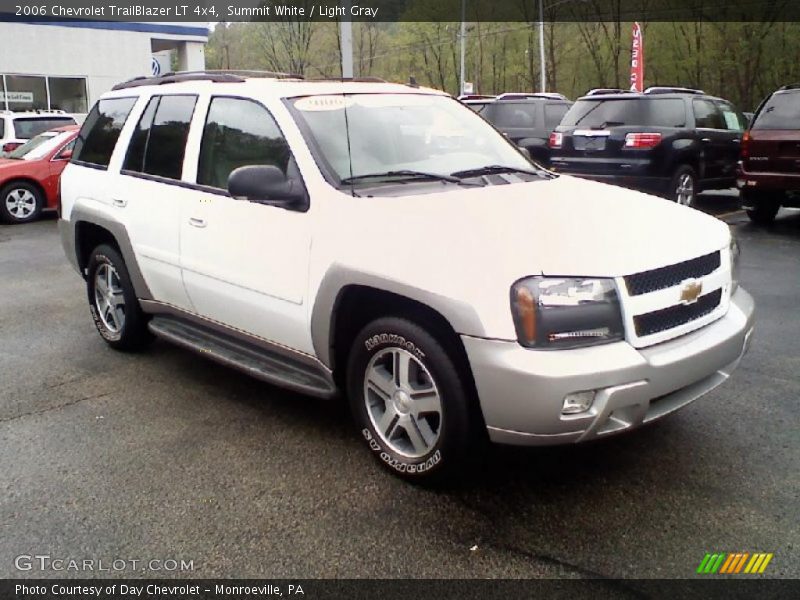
(195, 222)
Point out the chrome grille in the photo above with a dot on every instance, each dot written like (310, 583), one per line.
(666, 277)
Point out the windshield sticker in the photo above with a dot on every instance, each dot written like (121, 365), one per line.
(321, 103)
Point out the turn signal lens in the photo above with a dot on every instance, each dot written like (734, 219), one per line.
(642, 140)
(744, 148)
(526, 312)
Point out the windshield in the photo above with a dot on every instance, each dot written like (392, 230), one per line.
(40, 146)
(400, 133)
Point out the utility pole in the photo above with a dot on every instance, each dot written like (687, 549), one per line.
(541, 48)
(463, 45)
(346, 41)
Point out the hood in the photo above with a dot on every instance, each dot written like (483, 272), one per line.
(562, 226)
(467, 246)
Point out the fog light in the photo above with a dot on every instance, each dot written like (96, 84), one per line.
(577, 402)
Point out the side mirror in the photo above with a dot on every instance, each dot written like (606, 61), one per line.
(265, 184)
(65, 155)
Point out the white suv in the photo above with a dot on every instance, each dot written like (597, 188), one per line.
(16, 128)
(384, 241)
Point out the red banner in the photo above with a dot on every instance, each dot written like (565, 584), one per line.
(637, 59)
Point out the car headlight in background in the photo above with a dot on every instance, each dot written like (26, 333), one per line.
(735, 254)
(561, 312)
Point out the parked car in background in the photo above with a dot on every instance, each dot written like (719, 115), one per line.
(16, 128)
(528, 119)
(29, 175)
(674, 142)
(476, 102)
(769, 170)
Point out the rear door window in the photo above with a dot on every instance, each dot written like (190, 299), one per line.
(158, 144)
(781, 111)
(514, 115)
(707, 115)
(100, 132)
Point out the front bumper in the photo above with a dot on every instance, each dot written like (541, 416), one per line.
(521, 390)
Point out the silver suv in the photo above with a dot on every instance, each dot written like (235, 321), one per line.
(384, 242)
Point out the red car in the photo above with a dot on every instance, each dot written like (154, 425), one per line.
(29, 175)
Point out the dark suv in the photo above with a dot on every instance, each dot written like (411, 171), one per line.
(527, 120)
(769, 171)
(674, 142)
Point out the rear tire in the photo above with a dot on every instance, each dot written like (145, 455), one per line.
(20, 202)
(683, 187)
(112, 300)
(765, 206)
(410, 401)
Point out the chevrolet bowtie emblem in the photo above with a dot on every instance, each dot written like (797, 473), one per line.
(690, 291)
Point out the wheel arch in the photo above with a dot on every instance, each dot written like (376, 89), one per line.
(29, 181)
(91, 229)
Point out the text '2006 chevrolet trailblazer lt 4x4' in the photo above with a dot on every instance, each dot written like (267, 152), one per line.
(384, 241)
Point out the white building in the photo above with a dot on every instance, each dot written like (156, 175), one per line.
(67, 65)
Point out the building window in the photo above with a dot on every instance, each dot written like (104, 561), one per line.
(68, 94)
(25, 92)
(30, 92)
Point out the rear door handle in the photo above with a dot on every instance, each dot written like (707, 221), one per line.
(195, 222)
(120, 202)
(706, 140)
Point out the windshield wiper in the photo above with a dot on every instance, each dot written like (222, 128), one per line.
(401, 175)
(496, 169)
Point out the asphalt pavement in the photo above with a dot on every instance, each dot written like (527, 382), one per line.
(164, 455)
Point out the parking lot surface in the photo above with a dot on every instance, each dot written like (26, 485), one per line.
(165, 455)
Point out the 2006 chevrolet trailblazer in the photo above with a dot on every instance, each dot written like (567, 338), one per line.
(385, 241)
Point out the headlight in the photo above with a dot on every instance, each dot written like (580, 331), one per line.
(558, 312)
(735, 254)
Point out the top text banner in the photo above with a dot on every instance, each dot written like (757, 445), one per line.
(400, 10)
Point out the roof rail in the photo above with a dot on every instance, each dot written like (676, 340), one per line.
(602, 91)
(215, 76)
(524, 95)
(672, 90)
(347, 79)
(790, 86)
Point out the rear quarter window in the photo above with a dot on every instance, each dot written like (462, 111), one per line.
(98, 136)
(781, 111)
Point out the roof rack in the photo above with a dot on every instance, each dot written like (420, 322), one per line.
(603, 91)
(525, 95)
(672, 90)
(790, 86)
(215, 76)
(347, 79)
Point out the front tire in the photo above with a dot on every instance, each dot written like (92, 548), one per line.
(112, 300)
(20, 202)
(409, 400)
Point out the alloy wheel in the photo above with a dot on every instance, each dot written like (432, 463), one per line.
(403, 402)
(108, 298)
(20, 203)
(684, 192)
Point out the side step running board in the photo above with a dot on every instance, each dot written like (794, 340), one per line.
(261, 363)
